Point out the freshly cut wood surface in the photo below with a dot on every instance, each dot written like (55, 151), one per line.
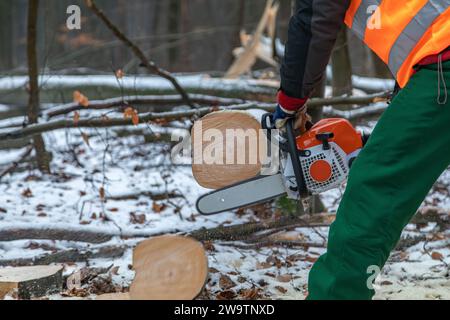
(114, 296)
(169, 268)
(29, 282)
(234, 156)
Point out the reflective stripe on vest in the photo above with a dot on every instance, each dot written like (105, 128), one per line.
(406, 34)
(362, 14)
(413, 32)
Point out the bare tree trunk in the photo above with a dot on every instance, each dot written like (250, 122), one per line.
(380, 68)
(173, 26)
(42, 157)
(185, 24)
(342, 68)
(6, 35)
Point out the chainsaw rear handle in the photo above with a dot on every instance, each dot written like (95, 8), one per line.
(290, 146)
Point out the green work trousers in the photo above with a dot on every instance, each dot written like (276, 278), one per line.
(407, 152)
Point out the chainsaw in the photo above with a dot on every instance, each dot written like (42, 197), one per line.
(311, 163)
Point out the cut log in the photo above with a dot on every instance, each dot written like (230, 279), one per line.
(227, 148)
(169, 268)
(31, 282)
(114, 297)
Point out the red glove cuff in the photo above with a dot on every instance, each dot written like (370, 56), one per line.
(289, 103)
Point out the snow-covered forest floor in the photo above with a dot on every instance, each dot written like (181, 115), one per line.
(119, 186)
(92, 165)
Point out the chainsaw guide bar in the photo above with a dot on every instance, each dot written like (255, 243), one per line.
(260, 189)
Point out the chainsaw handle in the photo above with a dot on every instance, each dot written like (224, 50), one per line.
(267, 122)
(295, 158)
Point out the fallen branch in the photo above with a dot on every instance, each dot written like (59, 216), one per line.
(271, 243)
(153, 196)
(16, 163)
(433, 214)
(173, 115)
(93, 236)
(150, 65)
(360, 113)
(244, 231)
(169, 100)
(67, 256)
(13, 234)
(408, 242)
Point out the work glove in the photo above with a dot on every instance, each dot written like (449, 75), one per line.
(289, 108)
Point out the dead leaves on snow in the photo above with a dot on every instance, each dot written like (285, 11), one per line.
(27, 193)
(81, 99)
(225, 283)
(131, 113)
(137, 218)
(437, 256)
(158, 208)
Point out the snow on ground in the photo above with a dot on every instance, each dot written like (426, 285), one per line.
(105, 166)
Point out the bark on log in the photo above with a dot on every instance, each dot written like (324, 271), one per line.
(151, 195)
(67, 256)
(279, 243)
(31, 282)
(244, 231)
(13, 234)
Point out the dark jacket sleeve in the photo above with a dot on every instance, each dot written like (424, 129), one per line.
(313, 31)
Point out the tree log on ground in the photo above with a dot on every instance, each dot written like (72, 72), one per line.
(169, 267)
(230, 233)
(123, 102)
(31, 282)
(14, 234)
(68, 256)
(245, 231)
(173, 115)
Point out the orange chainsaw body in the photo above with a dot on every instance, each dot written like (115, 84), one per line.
(344, 135)
(328, 151)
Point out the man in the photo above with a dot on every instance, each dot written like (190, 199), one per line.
(410, 146)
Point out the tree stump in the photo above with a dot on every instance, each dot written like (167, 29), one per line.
(228, 147)
(169, 268)
(31, 282)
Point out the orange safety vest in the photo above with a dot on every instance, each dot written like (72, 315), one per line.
(401, 32)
